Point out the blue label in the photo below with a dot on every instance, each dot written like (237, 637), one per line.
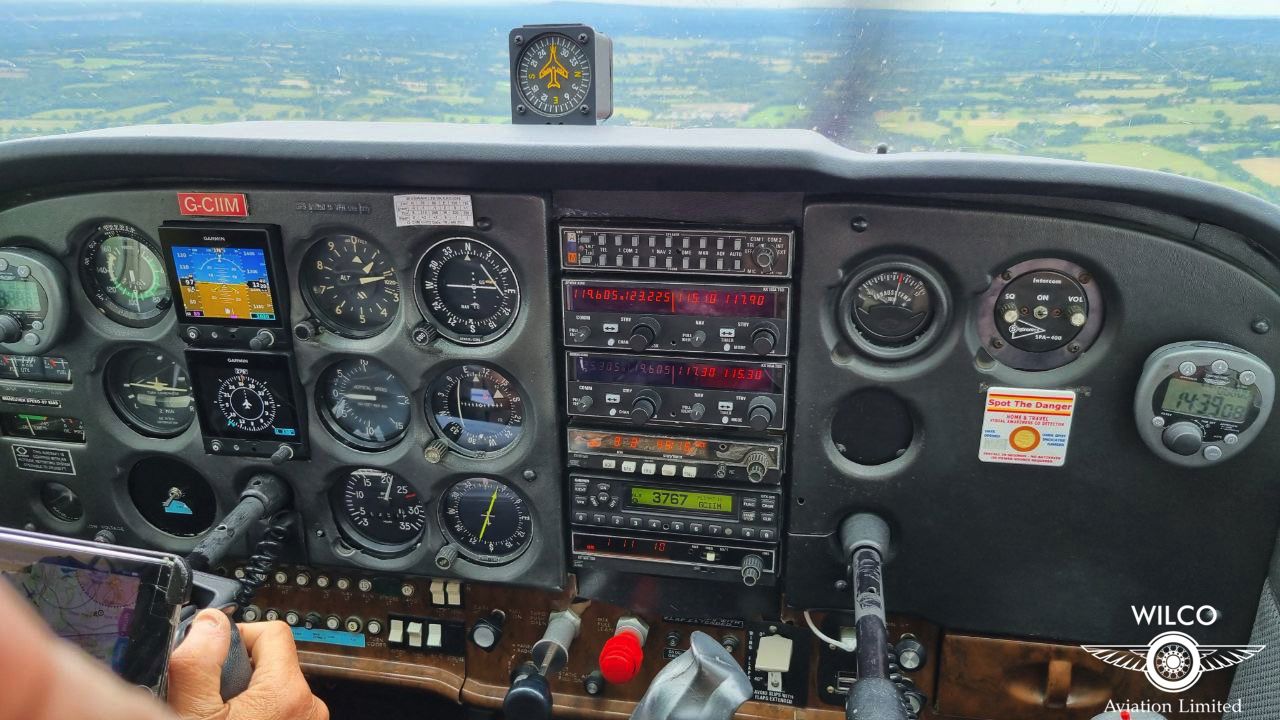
(328, 637)
(177, 507)
(288, 432)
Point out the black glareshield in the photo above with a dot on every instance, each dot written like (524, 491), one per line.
(120, 605)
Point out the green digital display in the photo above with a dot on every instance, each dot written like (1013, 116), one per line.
(1215, 402)
(19, 296)
(681, 500)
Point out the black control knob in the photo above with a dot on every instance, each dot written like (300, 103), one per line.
(752, 569)
(764, 256)
(262, 340)
(306, 329)
(529, 697)
(644, 407)
(313, 620)
(911, 654)
(760, 413)
(594, 683)
(1183, 438)
(758, 463)
(10, 328)
(487, 632)
(643, 333)
(764, 339)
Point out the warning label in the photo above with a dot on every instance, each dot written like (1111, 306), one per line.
(1026, 426)
(35, 458)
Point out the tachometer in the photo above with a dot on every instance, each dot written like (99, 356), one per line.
(476, 409)
(469, 290)
(364, 403)
(124, 276)
(150, 391)
(488, 520)
(351, 285)
(379, 512)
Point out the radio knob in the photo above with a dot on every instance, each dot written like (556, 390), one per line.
(579, 334)
(764, 339)
(760, 413)
(10, 328)
(1009, 313)
(764, 256)
(757, 465)
(752, 569)
(644, 408)
(583, 403)
(643, 333)
(1183, 438)
(1077, 316)
(697, 411)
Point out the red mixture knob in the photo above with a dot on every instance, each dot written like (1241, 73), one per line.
(621, 657)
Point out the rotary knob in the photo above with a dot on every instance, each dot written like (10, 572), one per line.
(760, 413)
(643, 333)
(752, 569)
(644, 407)
(757, 465)
(1183, 438)
(764, 256)
(764, 339)
(10, 328)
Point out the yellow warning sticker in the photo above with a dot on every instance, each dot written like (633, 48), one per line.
(1026, 426)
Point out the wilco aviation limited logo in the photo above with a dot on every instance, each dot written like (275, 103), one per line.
(1173, 661)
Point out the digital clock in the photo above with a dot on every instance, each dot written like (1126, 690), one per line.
(1217, 402)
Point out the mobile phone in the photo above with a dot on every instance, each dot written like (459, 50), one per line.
(120, 605)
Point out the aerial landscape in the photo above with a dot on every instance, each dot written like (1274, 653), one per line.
(1194, 96)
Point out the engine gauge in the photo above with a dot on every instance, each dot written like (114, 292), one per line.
(488, 520)
(351, 285)
(476, 409)
(469, 290)
(123, 275)
(893, 308)
(150, 391)
(364, 403)
(379, 512)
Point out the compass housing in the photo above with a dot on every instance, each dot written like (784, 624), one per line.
(591, 47)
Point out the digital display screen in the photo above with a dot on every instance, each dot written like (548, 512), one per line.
(20, 296)
(717, 375)
(92, 608)
(659, 300)
(1214, 402)
(42, 427)
(642, 444)
(669, 499)
(224, 283)
(247, 396)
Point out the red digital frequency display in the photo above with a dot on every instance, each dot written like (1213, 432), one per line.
(719, 375)
(660, 300)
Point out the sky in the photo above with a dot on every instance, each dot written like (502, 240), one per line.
(1216, 8)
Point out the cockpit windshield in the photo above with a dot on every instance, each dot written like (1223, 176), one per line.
(1189, 86)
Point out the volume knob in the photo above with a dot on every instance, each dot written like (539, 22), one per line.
(764, 339)
(644, 408)
(643, 333)
(760, 413)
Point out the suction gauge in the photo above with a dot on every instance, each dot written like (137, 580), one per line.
(893, 308)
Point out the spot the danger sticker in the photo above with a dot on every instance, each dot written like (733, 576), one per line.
(1026, 426)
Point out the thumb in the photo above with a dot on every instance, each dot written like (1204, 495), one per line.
(195, 667)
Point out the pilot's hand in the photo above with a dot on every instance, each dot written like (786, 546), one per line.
(44, 678)
(277, 690)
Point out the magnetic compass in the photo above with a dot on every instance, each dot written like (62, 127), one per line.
(561, 75)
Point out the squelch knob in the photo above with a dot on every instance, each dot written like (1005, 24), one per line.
(752, 569)
(643, 333)
(10, 328)
(644, 408)
(764, 339)
(1183, 438)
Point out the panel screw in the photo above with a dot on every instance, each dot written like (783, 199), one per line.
(582, 38)
(584, 110)
(842, 584)
(859, 224)
(484, 223)
(519, 39)
(520, 109)
(997, 343)
(1074, 348)
(319, 533)
(1085, 278)
(1261, 325)
(530, 475)
(1006, 276)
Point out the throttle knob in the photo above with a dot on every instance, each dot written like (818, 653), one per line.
(1183, 438)
(643, 333)
(644, 408)
(621, 657)
(10, 328)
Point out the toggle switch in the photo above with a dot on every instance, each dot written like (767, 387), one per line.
(773, 656)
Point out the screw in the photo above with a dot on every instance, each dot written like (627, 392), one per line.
(1074, 348)
(319, 533)
(1261, 325)
(582, 38)
(519, 39)
(530, 475)
(882, 149)
(997, 343)
(831, 690)
(584, 110)
(484, 223)
(1006, 276)
(842, 584)
(1085, 278)
(520, 109)
(859, 224)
